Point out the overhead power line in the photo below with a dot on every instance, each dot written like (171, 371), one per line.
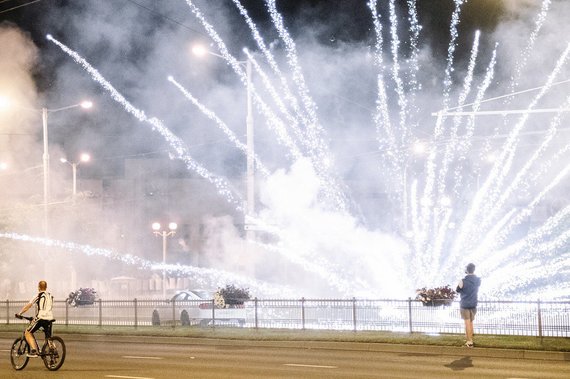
(18, 6)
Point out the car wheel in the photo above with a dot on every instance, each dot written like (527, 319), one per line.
(155, 318)
(184, 318)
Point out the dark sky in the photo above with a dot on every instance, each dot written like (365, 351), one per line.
(126, 38)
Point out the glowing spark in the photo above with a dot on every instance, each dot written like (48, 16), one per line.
(212, 116)
(177, 145)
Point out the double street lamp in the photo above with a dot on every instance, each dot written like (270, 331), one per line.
(84, 157)
(5, 104)
(158, 231)
(45, 113)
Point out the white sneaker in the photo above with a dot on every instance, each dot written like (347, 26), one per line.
(32, 354)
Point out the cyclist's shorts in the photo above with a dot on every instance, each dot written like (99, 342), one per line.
(36, 324)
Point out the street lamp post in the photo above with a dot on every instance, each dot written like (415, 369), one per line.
(84, 157)
(250, 234)
(45, 112)
(250, 165)
(164, 234)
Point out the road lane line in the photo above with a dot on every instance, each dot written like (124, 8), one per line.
(301, 365)
(139, 357)
(127, 377)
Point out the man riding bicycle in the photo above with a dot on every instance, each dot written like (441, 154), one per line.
(44, 315)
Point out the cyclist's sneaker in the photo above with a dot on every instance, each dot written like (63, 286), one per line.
(32, 354)
(469, 344)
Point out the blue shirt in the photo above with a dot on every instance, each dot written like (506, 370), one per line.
(469, 291)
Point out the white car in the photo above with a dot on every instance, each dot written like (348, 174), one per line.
(196, 307)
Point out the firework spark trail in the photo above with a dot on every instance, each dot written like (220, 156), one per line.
(394, 48)
(413, 83)
(440, 122)
(464, 232)
(451, 147)
(521, 63)
(415, 28)
(431, 164)
(438, 245)
(309, 104)
(175, 143)
(293, 122)
(545, 166)
(504, 163)
(527, 210)
(546, 229)
(316, 150)
(322, 163)
(447, 82)
(203, 275)
(382, 116)
(271, 60)
(531, 242)
(465, 143)
(322, 158)
(274, 122)
(516, 275)
(483, 201)
(212, 116)
(522, 174)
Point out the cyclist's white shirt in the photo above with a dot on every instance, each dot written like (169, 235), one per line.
(44, 304)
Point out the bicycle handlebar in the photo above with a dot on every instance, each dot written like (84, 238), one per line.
(19, 316)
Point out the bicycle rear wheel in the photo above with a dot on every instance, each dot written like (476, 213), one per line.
(54, 355)
(19, 353)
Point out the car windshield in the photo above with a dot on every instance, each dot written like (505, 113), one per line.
(203, 294)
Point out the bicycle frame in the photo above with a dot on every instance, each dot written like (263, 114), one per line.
(52, 351)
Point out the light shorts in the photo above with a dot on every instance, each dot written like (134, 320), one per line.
(468, 313)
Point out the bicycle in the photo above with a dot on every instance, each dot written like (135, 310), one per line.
(52, 351)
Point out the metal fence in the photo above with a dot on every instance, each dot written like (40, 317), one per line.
(493, 317)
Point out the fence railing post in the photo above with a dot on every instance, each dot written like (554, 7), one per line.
(66, 313)
(136, 312)
(173, 313)
(354, 313)
(410, 314)
(213, 313)
(255, 302)
(7, 311)
(539, 321)
(100, 313)
(303, 313)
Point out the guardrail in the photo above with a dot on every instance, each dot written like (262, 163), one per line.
(538, 318)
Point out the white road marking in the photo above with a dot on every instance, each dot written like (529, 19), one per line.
(314, 366)
(127, 377)
(137, 357)
(6, 350)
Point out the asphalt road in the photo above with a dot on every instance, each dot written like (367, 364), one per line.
(155, 357)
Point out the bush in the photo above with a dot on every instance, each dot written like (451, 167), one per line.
(230, 296)
(83, 296)
(436, 296)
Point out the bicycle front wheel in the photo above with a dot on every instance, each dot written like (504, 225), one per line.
(19, 353)
(53, 353)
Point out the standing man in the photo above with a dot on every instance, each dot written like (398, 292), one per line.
(468, 288)
(44, 316)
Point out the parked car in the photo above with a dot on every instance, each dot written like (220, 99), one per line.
(196, 307)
